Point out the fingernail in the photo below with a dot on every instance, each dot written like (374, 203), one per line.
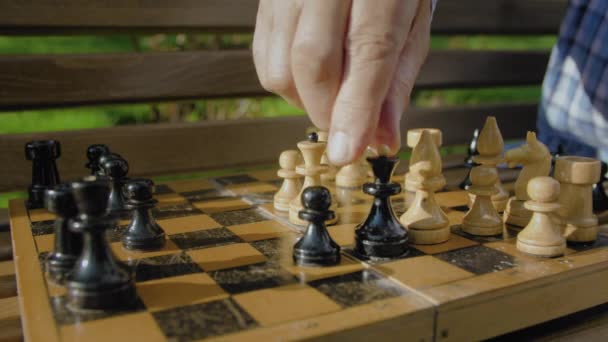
(339, 149)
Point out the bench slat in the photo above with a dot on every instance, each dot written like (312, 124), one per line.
(69, 80)
(86, 16)
(173, 148)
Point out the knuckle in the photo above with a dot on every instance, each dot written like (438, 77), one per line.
(313, 59)
(370, 47)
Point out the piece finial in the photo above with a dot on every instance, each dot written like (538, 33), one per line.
(313, 137)
(425, 161)
(289, 159)
(490, 142)
(543, 189)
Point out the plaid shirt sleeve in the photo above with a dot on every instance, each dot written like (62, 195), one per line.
(574, 105)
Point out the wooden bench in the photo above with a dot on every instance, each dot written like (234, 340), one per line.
(72, 80)
(47, 81)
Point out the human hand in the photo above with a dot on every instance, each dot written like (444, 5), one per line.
(351, 64)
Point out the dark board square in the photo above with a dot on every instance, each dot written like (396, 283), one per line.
(478, 259)
(462, 208)
(193, 322)
(43, 227)
(162, 189)
(177, 210)
(235, 217)
(236, 179)
(259, 197)
(42, 259)
(412, 252)
(270, 248)
(252, 277)
(163, 266)
(357, 288)
(205, 238)
(203, 195)
(65, 316)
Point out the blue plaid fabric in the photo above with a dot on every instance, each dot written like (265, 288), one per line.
(574, 106)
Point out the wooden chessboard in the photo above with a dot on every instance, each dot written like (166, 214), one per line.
(226, 273)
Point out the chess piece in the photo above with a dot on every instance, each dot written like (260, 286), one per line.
(576, 176)
(99, 281)
(381, 235)
(143, 233)
(536, 161)
(413, 137)
(94, 152)
(353, 175)
(316, 247)
(116, 169)
(600, 200)
(43, 154)
(468, 162)
(426, 221)
(292, 185)
(68, 245)
(328, 177)
(490, 147)
(483, 219)
(311, 150)
(543, 236)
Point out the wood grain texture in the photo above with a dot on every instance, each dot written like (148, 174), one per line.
(10, 330)
(8, 286)
(499, 16)
(69, 80)
(172, 148)
(84, 16)
(37, 317)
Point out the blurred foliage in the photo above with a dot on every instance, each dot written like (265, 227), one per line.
(225, 109)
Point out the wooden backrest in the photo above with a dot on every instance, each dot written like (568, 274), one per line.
(44, 81)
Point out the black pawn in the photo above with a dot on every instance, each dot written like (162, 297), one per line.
(43, 154)
(68, 245)
(468, 162)
(98, 281)
(143, 233)
(116, 169)
(600, 200)
(316, 247)
(94, 152)
(381, 235)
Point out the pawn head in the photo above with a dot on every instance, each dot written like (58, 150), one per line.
(543, 189)
(115, 167)
(316, 198)
(94, 152)
(289, 159)
(138, 190)
(313, 137)
(483, 176)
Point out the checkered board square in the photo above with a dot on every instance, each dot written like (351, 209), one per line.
(226, 273)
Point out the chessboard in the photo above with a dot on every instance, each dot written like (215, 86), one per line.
(226, 273)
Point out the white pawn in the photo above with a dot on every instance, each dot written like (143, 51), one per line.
(292, 185)
(483, 219)
(353, 175)
(543, 236)
(427, 222)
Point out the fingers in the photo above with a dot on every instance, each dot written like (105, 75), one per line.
(263, 27)
(411, 60)
(316, 56)
(374, 41)
(279, 78)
